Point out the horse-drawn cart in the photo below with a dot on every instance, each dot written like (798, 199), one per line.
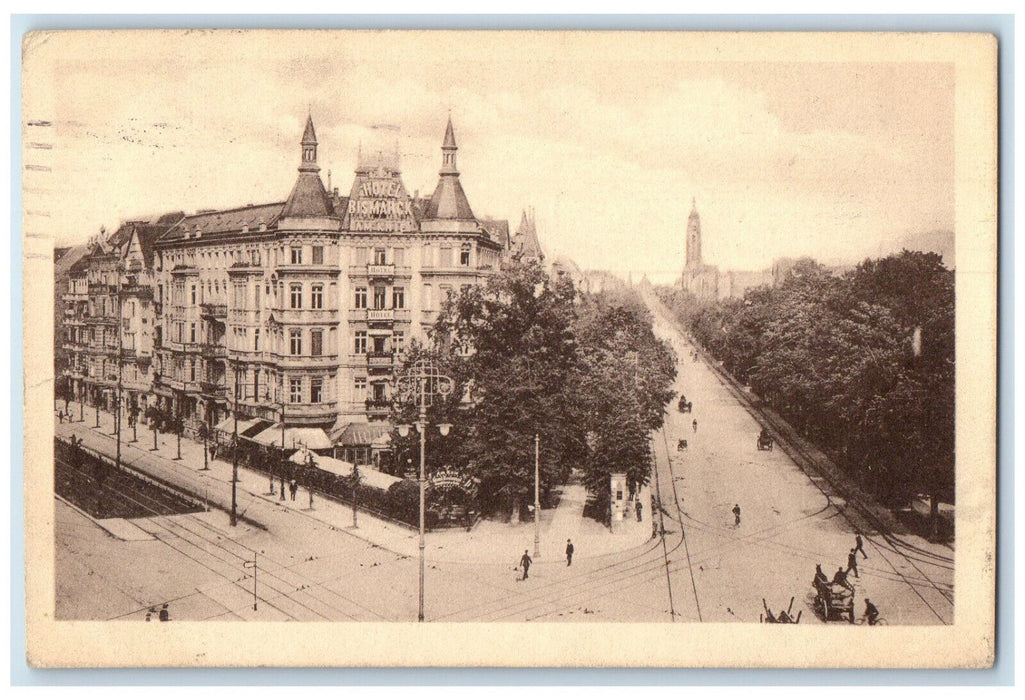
(765, 441)
(684, 405)
(834, 601)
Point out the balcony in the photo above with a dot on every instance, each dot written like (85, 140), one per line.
(381, 315)
(213, 310)
(378, 407)
(380, 361)
(95, 288)
(140, 291)
(213, 389)
(214, 351)
(127, 353)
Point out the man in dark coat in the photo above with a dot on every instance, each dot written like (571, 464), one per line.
(852, 563)
(569, 552)
(525, 562)
(736, 514)
(859, 545)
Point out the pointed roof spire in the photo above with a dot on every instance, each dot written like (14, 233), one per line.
(309, 134)
(450, 135)
(308, 197)
(449, 201)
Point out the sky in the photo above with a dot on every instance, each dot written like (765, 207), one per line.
(608, 138)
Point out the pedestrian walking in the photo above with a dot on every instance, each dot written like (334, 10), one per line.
(60, 416)
(638, 509)
(213, 451)
(852, 562)
(736, 514)
(569, 552)
(293, 488)
(525, 562)
(859, 545)
(840, 577)
(164, 614)
(695, 425)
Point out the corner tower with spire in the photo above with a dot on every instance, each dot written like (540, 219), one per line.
(449, 201)
(309, 199)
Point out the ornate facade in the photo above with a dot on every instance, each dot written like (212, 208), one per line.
(302, 307)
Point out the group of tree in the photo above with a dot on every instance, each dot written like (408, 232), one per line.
(862, 364)
(530, 359)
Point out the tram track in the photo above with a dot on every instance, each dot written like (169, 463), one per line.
(911, 554)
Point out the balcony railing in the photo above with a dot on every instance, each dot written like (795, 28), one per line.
(380, 360)
(378, 406)
(214, 350)
(137, 290)
(213, 389)
(214, 310)
(380, 314)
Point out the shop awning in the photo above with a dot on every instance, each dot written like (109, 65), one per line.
(368, 476)
(246, 428)
(312, 438)
(357, 434)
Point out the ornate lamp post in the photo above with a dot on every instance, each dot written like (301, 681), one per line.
(422, 382)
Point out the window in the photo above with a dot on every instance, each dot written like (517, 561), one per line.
(398, 342)
(359, 388)
(192, 332)
(240, 296)
(464, 255)
(445, 257)
(317, 297)
(360, 344)
(295, 338)
(316, 342)
(380, 294)
(297, 255)
(399, 256)
(361, 297)
(428, 297)
(316, 390)
(256, 384)
(193, 294)
(428, 255)
(297, 296)
(256, 339)
(446, 291)
(380, 257)
(398, 298)
(295, 390)
(257, 307)
(192, 371)
(361, 256)
(379, 389)
(318, 255)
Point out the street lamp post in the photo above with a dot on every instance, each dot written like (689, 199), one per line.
(422, 381)
(537, 495)
(179, 423)
(234, 459)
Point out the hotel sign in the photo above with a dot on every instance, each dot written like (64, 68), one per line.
(381, 205)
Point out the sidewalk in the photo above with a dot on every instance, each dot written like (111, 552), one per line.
(490, 541)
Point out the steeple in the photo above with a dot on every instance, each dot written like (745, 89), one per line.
(693, 236)
(309, 144)
(448, 151)
(449, 201)
(308, 197)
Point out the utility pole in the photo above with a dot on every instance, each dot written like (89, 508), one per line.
(180, 423)
(234, 458)
(423, 451)
(120, 359)
(537, 495)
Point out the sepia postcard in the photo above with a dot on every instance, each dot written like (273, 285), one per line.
(509, 348)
